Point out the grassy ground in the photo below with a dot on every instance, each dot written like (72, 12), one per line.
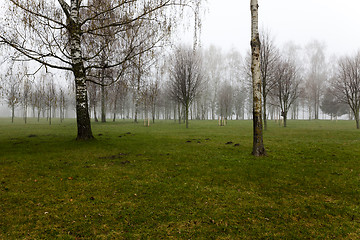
(168, 182)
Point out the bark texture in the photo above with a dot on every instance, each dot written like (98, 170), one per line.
(82, 112)
(258, 146)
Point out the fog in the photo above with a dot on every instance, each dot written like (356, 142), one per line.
(225, 27)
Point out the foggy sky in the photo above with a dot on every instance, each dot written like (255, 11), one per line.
(335, 22)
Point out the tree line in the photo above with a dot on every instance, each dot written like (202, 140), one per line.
(123, 65)
(297, 83)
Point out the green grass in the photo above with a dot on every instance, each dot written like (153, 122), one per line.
(168, 182)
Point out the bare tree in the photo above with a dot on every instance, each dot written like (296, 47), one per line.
(269, 56)
(11, 90)
(347, 84)
(213, 62)
(316, 75)
(258, 145)
(50, 97)
(55, 33)
(225, 103)
(186, 77)
(287, 86)
(63, 102)
(26, 93)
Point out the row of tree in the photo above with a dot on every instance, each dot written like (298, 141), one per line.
(201, 84)
(38, 94)
(92, 39)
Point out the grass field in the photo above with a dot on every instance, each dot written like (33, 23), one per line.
(168, 182)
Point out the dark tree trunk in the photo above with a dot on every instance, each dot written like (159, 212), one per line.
(50, 115)
(12, 113)
(103, 107)
(264, 115)
(95, 117)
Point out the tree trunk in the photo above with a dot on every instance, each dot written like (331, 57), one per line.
(258, 146)
(265, 119)
(115, 107)
(95, 117)
(357, 119)
(136, 111)
(25, 113)
(103, 111)
(153, 113)
(82, 113)
(187, 115)
(50, 115)
(12, 113)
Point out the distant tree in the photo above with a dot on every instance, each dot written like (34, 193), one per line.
(93, 91)
(269, 57)
(315, 76)
(50, 97)
(39, 96)
(117, 94)
(331, 105)
(55, 34)
(63, 102)
(11, 89)
(186, 77)
(347, 84)
(225, 102)
(286, 88)
(154, 92)
(240, 96)
(213, 63)
(258, 145)
(26, 92)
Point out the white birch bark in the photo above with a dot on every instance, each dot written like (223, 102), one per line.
(258, 146)
(74, 29)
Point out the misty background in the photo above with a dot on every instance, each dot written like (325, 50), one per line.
(307, 28)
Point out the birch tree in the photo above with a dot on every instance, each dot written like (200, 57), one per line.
(258, 146)
(11, 90)
(54, 33)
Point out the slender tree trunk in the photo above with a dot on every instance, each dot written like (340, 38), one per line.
(12, 113)
(285, 118)
(82, 113)
(95, 117)
(187, 115)
(258, 146)
(103, 107)
(153, 113)
(115, 107)
(25, 114)
(265, 117)
(50, 115)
